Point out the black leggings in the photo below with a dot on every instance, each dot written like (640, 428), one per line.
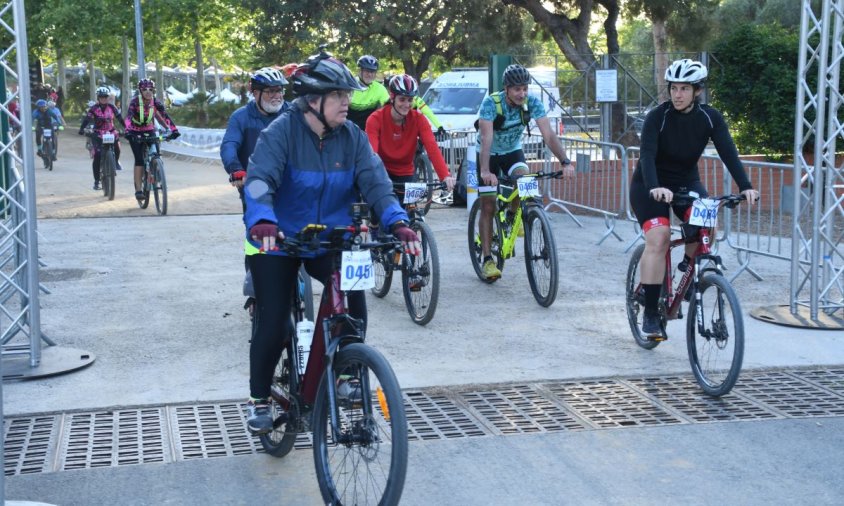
(274, 278)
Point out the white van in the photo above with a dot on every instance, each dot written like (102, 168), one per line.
(456, 96)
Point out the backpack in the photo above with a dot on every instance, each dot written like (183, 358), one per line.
(498, 122)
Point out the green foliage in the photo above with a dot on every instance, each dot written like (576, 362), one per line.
(197, 112)
(757, 88)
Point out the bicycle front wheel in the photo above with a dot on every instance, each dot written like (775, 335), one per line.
(715, 335)
(107, 171)
(145, 186)
(47, 153)
(367, 463)
(635, 300)
(424, 171)
(541, 256)
(421, 280)
(495, 246)
(156, 167)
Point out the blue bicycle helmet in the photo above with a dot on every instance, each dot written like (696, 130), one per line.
(41, 103)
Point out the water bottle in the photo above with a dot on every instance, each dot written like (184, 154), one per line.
(471, 177)
(304, 337)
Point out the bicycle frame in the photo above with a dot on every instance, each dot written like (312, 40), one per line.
(691, 276)
(510, 233)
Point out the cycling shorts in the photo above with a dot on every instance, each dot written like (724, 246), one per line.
(500, 165)
(645, 208)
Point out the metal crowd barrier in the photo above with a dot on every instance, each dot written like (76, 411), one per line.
(196, 143)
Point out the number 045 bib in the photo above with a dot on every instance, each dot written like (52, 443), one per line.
(356, 271)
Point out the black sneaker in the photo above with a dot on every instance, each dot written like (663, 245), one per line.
(258, 419)
(348, 391)
(416, 282)
(139, 195)
(119, 167)
(97, 185)
(651, 326)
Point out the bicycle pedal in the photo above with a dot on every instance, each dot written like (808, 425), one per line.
(658, 338)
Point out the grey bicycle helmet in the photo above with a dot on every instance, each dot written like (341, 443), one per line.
(516, 75)
(686, 71)
(368, 62)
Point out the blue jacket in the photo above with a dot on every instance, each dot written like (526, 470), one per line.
(295, 179)
(41, 118)
(242, 133)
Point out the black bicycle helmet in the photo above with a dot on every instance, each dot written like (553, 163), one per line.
(516, 75)
(321, 74)
(368, 62)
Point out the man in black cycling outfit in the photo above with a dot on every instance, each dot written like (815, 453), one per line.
(308, 166)
(674, 135)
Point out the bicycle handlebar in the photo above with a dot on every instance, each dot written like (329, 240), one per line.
(688, 198)
(538, 175)
(341, 238)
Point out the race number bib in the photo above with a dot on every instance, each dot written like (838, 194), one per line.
(414, 192)
(356, 271)
(108, 138)
(528, 187)
(704, 213)
(48, 132)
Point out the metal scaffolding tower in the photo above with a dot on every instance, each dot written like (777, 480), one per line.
(817, 259)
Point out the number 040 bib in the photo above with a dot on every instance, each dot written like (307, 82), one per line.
(356, 271)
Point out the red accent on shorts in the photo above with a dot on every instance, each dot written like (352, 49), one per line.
(661, 221)
(687, 214)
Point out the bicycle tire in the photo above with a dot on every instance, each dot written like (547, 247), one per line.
(424, 171)
(107, 170)
(634, 302)
(422, 304)
(495, 247)
(156, 167)
(47, 153)
(541, 256)
(144, 203)
(382, 269)
(716, 361)
(280, 441)
(377, 428)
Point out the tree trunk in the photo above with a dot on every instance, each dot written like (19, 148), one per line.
(61, 79)
(660, 58)
(126, 91)
(217, 85)
(200, 66)
(92, 73)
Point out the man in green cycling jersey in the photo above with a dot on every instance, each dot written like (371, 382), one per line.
(372, 95)
(501, 123)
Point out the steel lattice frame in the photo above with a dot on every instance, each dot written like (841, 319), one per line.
(19, 289)
(817, 259)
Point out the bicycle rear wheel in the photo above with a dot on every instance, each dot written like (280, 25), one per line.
(475, 250)
(716, 343)
(107, 171)
(421, 303)
(635, 300)
(382, 265)
(156, 167)
(368, 464)
(541, 256)
(284, 409)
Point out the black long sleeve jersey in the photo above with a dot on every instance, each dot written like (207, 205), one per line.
(672, 143)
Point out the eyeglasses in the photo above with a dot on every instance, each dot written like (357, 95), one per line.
(340, 94)
(273, 91)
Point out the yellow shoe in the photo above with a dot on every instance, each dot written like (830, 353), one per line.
(490, 270)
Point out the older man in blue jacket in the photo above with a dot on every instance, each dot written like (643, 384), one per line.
(267, 87)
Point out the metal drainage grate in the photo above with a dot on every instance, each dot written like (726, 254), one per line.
(161, 434)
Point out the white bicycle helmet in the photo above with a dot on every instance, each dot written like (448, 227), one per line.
(103, 91)
(686, 71)
(266, 77)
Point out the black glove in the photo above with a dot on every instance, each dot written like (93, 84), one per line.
(441, 133)
(175, 135)
(81, 132)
